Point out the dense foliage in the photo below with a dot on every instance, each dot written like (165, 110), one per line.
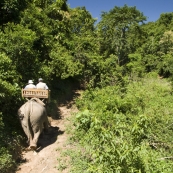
(129, 129)
(47, 38)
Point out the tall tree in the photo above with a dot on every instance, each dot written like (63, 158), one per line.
(114, 27)
(165, 19)
(9, 10)
(75, 52)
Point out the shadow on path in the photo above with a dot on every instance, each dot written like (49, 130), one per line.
(48, 138)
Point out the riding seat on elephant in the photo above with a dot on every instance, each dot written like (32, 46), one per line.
(34, 120)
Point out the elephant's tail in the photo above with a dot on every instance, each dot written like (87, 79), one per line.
(38, 101)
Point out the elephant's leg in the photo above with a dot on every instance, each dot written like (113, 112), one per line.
(29, 136)
(33, 143)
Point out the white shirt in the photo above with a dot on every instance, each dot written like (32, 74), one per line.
(30, 86)
(42, 85)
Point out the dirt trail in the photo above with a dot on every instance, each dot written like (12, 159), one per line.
(44, 160)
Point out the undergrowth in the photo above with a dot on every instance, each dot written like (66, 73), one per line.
(125, 129)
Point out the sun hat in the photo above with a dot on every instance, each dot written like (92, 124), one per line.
(30, 82)
(40, 79)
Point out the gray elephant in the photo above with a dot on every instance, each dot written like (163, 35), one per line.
(33, 118)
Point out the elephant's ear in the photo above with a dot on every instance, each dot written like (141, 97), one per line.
(21, 116)
(19, 112)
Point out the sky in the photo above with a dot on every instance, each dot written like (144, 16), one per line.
(150, 8)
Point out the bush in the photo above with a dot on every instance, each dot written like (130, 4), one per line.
(6, 160)
(127, 129)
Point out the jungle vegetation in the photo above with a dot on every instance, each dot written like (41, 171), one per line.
(124, 64)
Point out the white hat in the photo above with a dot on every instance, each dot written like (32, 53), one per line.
(30, 82)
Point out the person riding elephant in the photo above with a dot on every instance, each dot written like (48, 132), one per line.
(30, 85)
(41, 84)
(34, 120)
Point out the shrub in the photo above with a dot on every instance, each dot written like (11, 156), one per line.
(127, 129)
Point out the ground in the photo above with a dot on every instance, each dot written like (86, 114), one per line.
(45, 158)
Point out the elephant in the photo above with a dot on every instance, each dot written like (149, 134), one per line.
(34, 120)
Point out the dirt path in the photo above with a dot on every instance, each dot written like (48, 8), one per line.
(44, 160)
